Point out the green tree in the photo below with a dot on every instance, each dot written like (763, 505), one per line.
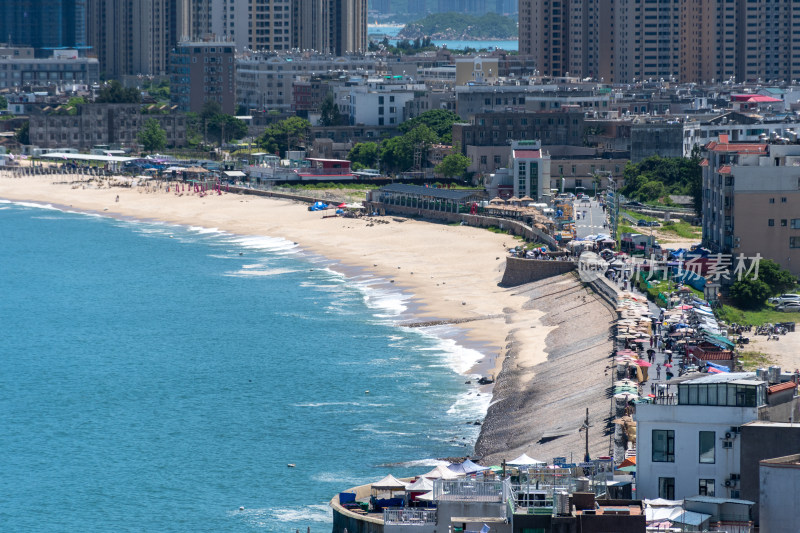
(440, 121)
(453, 165)
(3, 102)
(749, 293)
(152, 136)
(330, 114)
(23, 133)
(656, 177)
(364, 155)
(214, 125)
(777, 279)
(397, 153)
(284, 135)
(114, 93)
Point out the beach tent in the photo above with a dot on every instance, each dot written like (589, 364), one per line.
(524, 460)
(441, 472)
(422, 484)
(467, 467)
(427, 497)
(389, 483)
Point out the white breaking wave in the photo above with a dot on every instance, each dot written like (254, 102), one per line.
(309, 513)
(470, 406)
(268, 244)
(259, 273)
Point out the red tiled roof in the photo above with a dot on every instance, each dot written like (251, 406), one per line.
(724, 169)
(781, 387)
(740, 148)
(527, 154)
(704, 163)
(715, 355)
(754, 98)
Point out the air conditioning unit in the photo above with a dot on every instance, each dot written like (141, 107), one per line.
(728, 435)
(728, 483)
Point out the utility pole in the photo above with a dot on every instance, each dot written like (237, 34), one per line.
(586, 431)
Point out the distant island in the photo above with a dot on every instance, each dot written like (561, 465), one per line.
(460, 27)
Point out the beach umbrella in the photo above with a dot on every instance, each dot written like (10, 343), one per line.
(668, 365)
(642, 362)
(342, 205)
(629, 468)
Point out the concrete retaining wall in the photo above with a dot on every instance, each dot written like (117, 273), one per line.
(479, 221)
(519, 271)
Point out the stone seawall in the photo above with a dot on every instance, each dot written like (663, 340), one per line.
(479, 221)
(520, 271)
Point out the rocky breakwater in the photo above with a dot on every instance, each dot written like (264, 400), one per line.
(539, 406)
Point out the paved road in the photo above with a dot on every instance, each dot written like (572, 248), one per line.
(592, 224)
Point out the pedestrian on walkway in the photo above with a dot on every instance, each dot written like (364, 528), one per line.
(658, 371)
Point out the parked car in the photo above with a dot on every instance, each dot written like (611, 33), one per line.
(654, 223)
(642, 222)
(635, 204)
(784, 299)
(793, 307)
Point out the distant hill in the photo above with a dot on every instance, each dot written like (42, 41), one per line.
(457, 26)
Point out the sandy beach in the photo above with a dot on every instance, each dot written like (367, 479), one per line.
(451, 271)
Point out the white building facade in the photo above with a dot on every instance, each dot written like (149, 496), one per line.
(692, 447)
(530, 167)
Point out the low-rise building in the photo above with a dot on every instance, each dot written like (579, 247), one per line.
(60, 70)
(780, 486)
(203, 72)
(93, 124)
(751, 194)
(692, 447)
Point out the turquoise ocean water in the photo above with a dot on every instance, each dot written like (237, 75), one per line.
(158, 377)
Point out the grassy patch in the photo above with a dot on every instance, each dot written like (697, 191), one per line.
(638, 216)
(768, 314)
(682, 228)
(752, 360)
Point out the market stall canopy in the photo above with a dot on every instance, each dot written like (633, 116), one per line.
(389, 483)
(427, 497)
(467, 468)
(423, 484)
(525, 460)
(197, 170)
(441, 472)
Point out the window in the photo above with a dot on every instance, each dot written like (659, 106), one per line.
(794, 242)
(483, 160)
(707, 441)
(666, 488)
(795, 224)
(783, 199)
(772, 200)
(497, 160)
(706, 487)
(771, 222)
(783, 222)
(663, 446)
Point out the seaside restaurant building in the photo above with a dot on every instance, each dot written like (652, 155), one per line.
(428, 198)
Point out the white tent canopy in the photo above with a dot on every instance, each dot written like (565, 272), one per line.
(420, 485)
(389, 483)
(525, 460)
(427, 497)
(441, 472)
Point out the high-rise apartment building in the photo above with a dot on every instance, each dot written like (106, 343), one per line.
(647, 44)
(625, 41)
(327, 26)
(135, 36)
(43, 24)
(768, 40)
